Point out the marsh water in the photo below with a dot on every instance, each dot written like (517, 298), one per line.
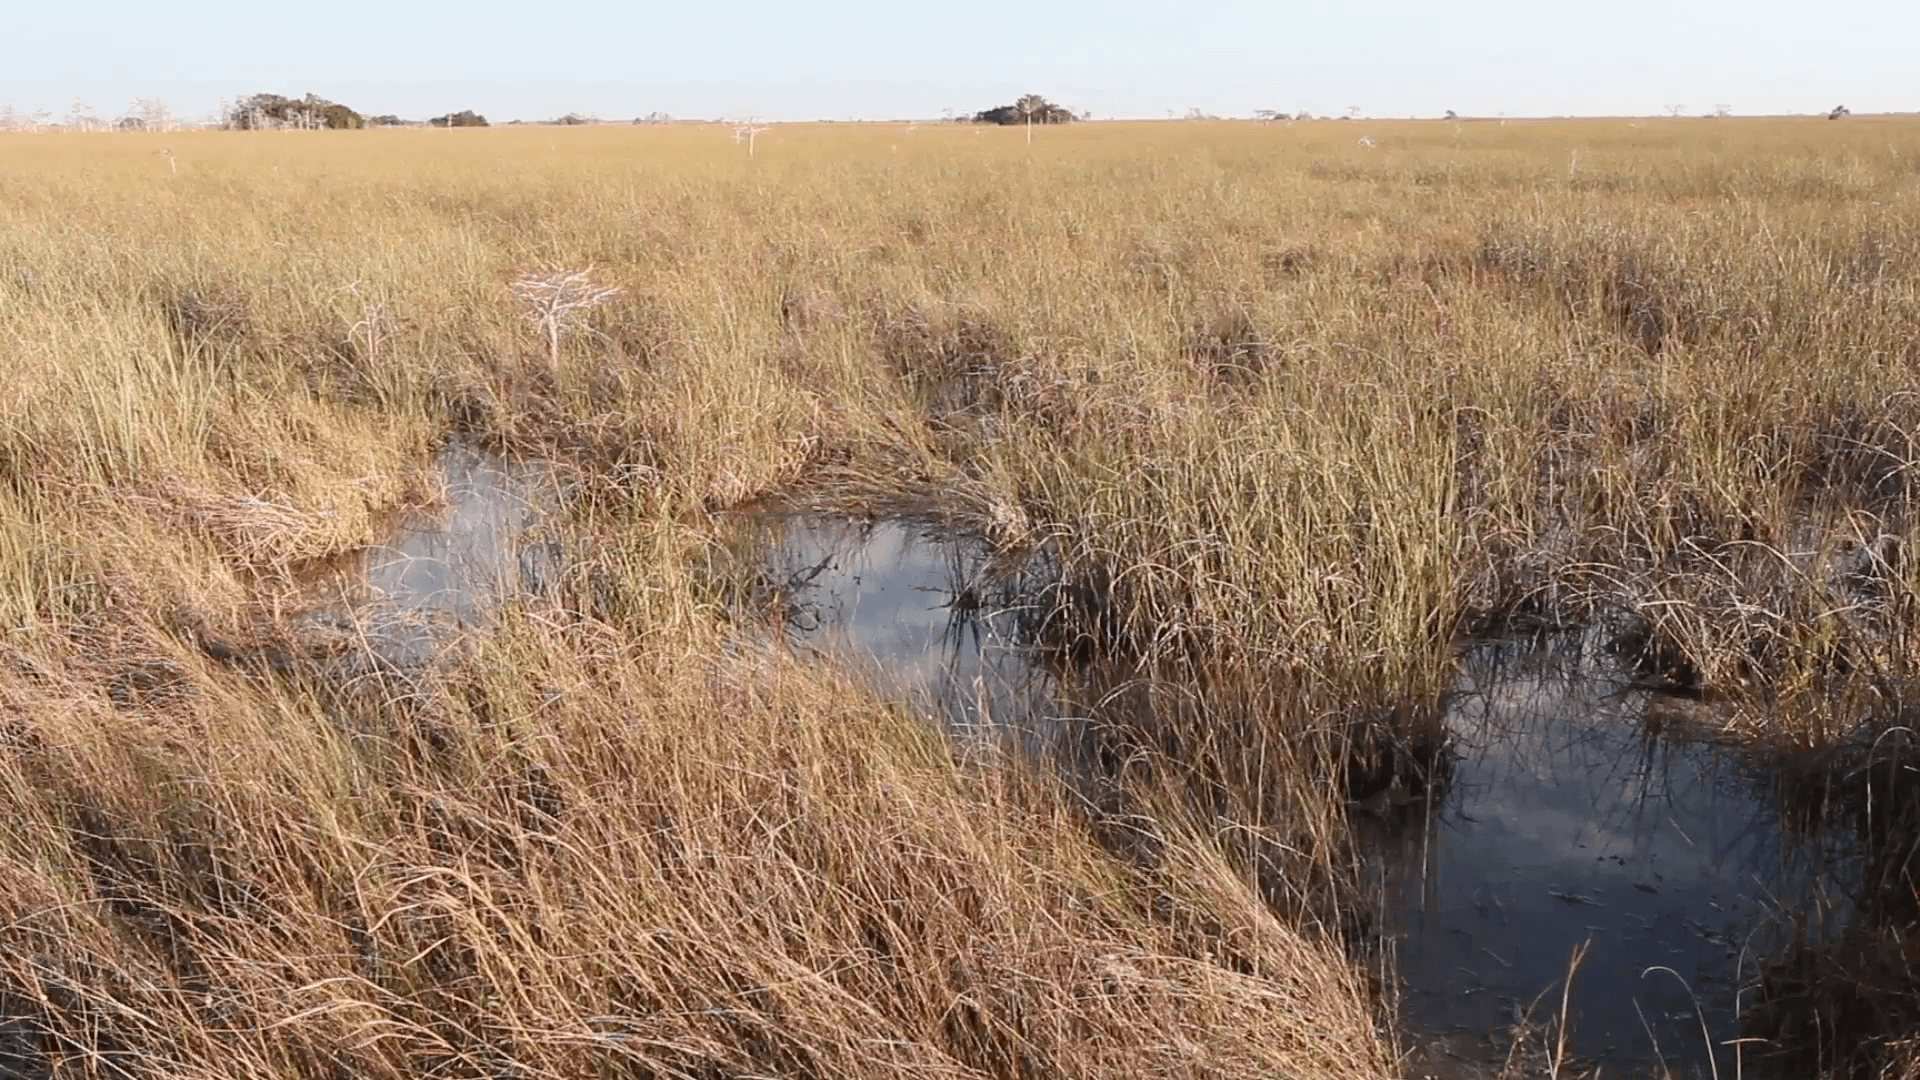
(926, 614)
(1572, 824)
(479, 547)
(1578, 809)
(1579, 812)
(445, 569)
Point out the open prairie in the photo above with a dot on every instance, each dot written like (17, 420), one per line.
(1281, 421)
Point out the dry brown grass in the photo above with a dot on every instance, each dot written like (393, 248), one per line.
(1303, 409)
(565, 866)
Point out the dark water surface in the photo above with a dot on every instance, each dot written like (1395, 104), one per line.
(924, 612)
(1565, 819)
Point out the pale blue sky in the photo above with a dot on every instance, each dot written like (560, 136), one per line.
(787, 61)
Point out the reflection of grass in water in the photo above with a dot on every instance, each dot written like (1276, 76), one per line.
(1801, 976)
(1861, 986)
(974, 666)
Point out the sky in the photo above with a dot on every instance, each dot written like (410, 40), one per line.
(836, 59)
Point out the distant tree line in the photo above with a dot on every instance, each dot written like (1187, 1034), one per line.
(271, 112)
(1030, 109)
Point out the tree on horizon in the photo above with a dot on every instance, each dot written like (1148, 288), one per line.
(1028, 109)
(263, 112)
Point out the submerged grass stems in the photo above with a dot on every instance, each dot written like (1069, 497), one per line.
(1295, 412)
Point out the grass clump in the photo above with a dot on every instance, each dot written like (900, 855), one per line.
(562, 866)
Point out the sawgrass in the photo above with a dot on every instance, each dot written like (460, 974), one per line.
(1298, 409)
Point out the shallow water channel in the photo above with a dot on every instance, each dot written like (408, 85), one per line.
(1563, 818)
(1576, 809)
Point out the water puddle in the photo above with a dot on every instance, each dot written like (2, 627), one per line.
(927, 614)
(1566, 817)
(443, 570)
(1568, 821)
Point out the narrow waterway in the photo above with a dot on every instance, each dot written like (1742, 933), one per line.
(1581, 814)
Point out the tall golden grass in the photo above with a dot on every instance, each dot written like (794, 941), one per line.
(1303, 409)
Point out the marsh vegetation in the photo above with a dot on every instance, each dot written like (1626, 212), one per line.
(1241, 440)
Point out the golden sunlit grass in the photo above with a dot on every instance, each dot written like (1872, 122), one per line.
(1301, 407)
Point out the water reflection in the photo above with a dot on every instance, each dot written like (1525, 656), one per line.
(1576, 808)
(447, 568)
(1568, 822)
(476, 551)
(926, 613)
